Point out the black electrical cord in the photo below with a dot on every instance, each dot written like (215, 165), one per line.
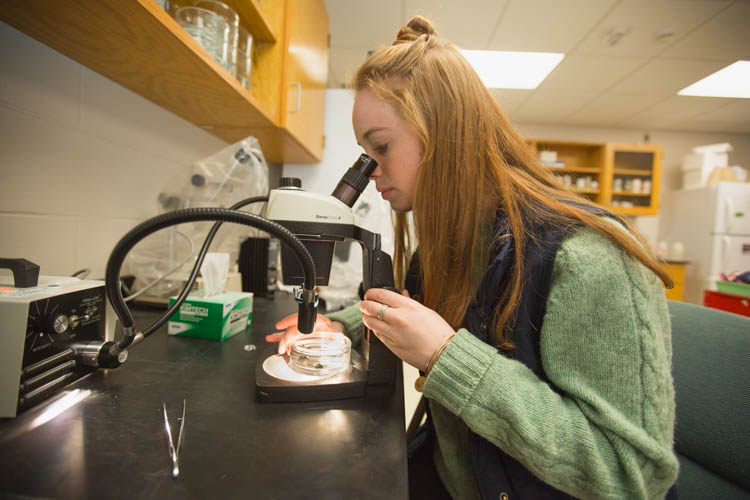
(112, 275)
(196, 267)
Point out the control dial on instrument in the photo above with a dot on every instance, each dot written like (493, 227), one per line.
(46, 322)
(58, 323)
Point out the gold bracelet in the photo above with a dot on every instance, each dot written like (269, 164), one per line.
(419, 383)
(436, 355)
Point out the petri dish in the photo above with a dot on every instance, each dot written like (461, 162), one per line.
(321, 353)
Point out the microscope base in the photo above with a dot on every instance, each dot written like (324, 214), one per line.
(278, 389)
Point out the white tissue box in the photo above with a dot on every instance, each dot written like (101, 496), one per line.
(217, 317)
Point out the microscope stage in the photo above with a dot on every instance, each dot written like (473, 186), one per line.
(276, 382)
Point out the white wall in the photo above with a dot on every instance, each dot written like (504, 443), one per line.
(82, 159)
(341, 149)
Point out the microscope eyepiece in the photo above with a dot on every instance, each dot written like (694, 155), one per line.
(355, 180)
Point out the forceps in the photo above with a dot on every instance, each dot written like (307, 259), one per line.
(174, 452)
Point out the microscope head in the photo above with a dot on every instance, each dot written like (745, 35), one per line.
(317, 220)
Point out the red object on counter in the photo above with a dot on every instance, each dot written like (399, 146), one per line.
(727, 302)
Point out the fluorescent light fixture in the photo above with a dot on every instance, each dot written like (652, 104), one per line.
(732, 81)
(512, 70)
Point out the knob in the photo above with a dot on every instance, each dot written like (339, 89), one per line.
(290, 182)
(54, 323)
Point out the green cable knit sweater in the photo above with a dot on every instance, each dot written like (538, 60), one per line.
(605, 343)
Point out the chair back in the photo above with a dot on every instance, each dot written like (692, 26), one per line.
(711, 369)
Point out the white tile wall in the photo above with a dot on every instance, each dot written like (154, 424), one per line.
(37, 80)
(47, 240)
(82, 158)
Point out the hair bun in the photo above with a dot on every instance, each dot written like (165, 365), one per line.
(416, 27)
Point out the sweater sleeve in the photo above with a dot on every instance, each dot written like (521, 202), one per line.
(606, 432)
(351, 318)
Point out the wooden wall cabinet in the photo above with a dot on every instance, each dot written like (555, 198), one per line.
(624, 178)
(138, 45)
(635, 173)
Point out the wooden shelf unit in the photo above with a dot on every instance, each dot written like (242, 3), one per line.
(138, 45)
(579, 160)
(606, 162)
(628, 162)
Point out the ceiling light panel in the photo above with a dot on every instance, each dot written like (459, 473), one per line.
(732, 81)
(512, 70)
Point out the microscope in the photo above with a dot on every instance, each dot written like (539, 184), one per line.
(307, 226)
(319, 221)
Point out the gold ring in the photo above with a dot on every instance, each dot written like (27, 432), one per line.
(381, 311)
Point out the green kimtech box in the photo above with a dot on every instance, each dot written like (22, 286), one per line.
(217, 317)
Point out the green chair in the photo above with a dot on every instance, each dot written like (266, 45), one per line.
(711, 368)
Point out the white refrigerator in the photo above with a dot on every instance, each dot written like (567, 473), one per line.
(713, 224)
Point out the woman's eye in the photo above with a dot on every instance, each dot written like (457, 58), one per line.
(381, 149)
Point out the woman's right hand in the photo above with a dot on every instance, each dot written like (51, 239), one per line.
(290, 333)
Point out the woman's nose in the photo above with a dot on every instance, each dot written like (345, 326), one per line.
(376, 173)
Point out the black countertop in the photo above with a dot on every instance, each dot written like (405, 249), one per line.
(113, 443)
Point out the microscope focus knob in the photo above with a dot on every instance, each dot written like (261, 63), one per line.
(290, 182)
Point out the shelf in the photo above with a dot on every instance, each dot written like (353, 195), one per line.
(574, 169)
(633, 211)
(138, 45)
(584, 157)
(605, 161)
(628, 193)
(632, 171)
(253, 19)
(585, 191)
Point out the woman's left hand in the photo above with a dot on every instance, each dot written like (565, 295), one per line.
(412, 331)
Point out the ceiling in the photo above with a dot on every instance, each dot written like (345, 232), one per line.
(665, 45)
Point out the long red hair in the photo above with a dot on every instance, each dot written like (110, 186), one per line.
(474, 164)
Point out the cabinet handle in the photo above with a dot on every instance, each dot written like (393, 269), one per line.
(299, 96)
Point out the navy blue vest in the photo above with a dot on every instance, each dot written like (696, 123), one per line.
(496, 471)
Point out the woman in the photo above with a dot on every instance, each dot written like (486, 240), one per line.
(539, 319)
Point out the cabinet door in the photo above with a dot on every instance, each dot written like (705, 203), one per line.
(306, 72)
(635, 170)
